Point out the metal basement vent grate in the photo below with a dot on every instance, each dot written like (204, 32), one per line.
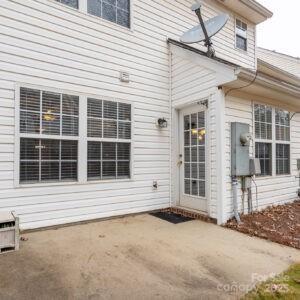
(9, 232)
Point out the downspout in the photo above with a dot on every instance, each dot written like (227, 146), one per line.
(170, 125)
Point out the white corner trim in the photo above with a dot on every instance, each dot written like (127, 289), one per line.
(16, 171)
(221, 159)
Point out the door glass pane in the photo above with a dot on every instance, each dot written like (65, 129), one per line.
(194, 154)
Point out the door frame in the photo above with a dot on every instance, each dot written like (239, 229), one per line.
(179, 145)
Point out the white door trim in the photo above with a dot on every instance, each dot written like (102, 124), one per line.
(187, 200)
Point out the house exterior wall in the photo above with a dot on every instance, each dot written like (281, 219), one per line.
(46, 44)
(272, 190)
(192, 83)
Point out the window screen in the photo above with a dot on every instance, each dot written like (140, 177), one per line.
(117, 11)
(263, 151)
(72, 3)
(241, 42)
(282, 122)
(263, 122)
(108, 119)
(110, 122)
(282, 159)
(44, 160)
(272, 134)
(43, 112)
(108, 160)
(241, 35)
(47, 113)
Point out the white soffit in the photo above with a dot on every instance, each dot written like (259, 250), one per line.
(224, 73)
(249, 9)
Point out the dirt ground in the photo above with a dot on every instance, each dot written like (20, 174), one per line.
(280, 224)
(139, 257)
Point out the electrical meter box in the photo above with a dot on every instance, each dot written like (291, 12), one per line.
(254, 166)
(240, 143)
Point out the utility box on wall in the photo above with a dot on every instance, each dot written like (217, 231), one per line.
(9, 232)
(240, 143)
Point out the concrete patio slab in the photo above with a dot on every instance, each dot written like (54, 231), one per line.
(139, 257)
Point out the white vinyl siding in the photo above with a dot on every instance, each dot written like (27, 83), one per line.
(285, 62)
(49, 44)
(272, 190)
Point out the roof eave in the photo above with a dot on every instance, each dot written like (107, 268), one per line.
(249, 9)
(280, 74)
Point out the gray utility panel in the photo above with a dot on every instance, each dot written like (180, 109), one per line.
(240, 142)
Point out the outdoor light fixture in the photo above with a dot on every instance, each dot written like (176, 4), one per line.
(162, 123)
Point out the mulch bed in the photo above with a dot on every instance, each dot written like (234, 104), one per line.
(280, 224)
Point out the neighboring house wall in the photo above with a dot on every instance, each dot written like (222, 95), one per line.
(285, 62)
(44, 43)
(272, 190)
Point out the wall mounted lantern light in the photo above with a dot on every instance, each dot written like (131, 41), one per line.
(162, 123)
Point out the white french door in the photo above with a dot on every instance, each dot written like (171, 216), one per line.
(192, 158)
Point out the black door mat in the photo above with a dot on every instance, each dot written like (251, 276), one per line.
(171, 217)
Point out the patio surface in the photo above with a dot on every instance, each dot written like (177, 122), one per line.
(139, 257)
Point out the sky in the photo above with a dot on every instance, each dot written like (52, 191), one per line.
(282, 31)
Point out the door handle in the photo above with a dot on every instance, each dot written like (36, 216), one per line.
(179, 163)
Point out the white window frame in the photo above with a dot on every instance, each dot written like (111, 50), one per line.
(82, 7)
(109, 140)
(241, 33)
(81, 138)
(273, 141)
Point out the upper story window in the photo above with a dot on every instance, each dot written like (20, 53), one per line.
(241, 35)
(117, 11)
(72, 3)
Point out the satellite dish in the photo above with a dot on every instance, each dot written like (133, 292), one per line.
(213, 26)
(205, 30)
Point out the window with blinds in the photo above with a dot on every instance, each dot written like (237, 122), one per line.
(282, 127)
(50, 140)
(272, 135)
(109, 135)
(43, 112)
(117, 11)
(48, 114)
(108, 119)
(263, 136)
(108, 160)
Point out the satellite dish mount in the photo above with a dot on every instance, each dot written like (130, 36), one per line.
(205, 30)
(208, 43)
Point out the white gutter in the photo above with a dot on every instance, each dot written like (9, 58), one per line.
(269, 81)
